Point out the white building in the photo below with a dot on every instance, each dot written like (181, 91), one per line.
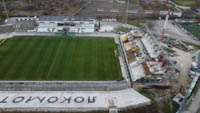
(65, 24)
(14, 20)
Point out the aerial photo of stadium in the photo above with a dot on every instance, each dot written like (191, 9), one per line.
(99, 56)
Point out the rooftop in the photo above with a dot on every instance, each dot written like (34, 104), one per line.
(65, 18)
(15, 19)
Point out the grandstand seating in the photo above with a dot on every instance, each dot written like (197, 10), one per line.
(6, 29)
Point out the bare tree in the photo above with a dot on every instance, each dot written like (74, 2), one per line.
(198, 2)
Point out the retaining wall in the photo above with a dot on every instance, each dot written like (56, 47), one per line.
(63, 85)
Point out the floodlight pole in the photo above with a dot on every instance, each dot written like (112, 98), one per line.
(127, 12)
(5, 8)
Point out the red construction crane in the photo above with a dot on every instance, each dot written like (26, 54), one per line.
(165, 25)
(147, 12)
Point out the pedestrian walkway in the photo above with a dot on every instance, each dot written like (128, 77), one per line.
(6, 35)
(195, 105)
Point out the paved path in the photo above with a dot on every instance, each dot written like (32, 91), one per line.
(179, 6)
(195, 105)
(6, 35)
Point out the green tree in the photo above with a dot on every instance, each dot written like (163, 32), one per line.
(3, 14)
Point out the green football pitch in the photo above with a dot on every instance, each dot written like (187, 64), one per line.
(185, 2)
(192, 28)
(39, 58)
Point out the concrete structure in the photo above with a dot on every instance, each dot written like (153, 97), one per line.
(20, 24)
(147, 61)
(65, 24)
(70, 100)
(106, 28)
(151, 46)
(138, 72)
(9, 28)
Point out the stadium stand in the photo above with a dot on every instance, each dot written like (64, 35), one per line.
(130, 56)
(23, 26)
(6, 29)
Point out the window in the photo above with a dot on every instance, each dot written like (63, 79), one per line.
(72, 24)
(67, 24)
(60, 24)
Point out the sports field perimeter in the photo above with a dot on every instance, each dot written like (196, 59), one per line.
(44, 58)
(192, 28)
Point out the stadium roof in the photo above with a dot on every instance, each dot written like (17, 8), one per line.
(64, 18)
(15, 19)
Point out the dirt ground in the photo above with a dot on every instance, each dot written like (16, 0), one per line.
(182, 79)
(172, 31)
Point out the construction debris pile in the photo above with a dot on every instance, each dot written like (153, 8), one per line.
(177, 44)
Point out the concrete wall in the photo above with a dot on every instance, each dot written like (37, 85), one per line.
(63, 85)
